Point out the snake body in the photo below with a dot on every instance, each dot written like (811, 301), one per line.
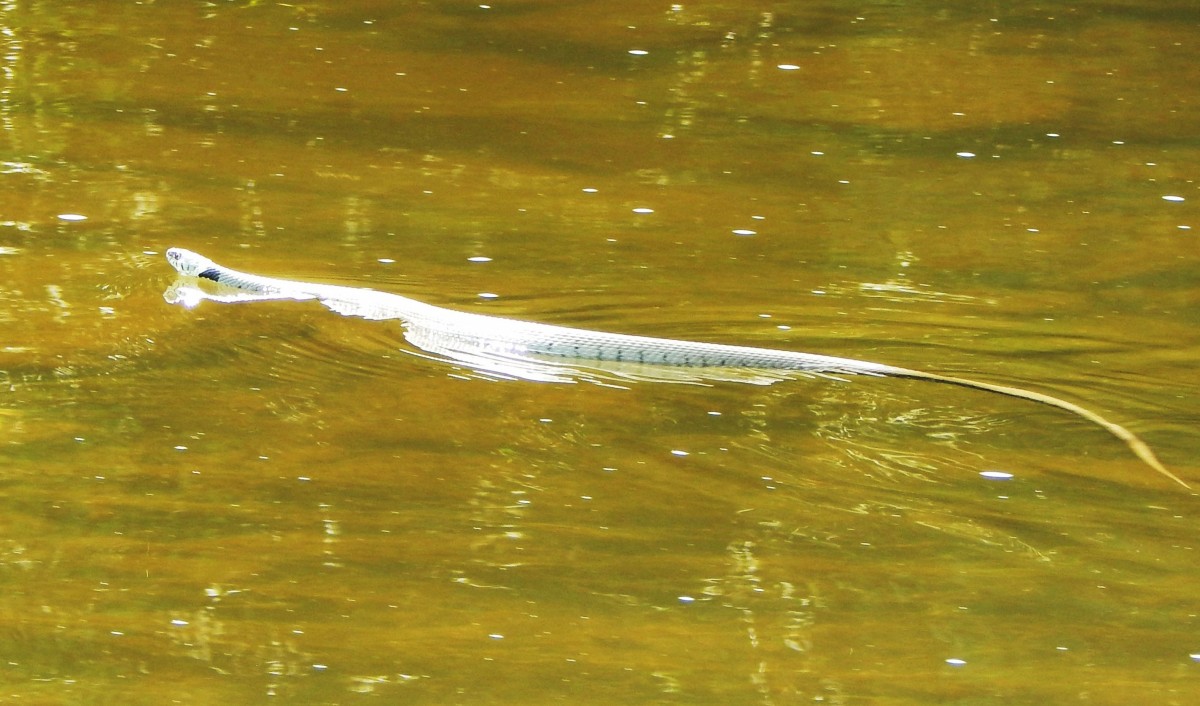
(436, 328)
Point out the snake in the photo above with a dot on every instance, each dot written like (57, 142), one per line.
(470, 336)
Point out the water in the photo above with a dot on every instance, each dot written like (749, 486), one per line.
(237, 502)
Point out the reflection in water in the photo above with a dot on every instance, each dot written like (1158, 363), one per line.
(498, 514)
(901, 287)
(868, 430)
(250, 211)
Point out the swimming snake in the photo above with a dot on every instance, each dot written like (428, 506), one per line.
(472, 337)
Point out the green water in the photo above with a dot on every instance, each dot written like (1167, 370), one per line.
(235, 503)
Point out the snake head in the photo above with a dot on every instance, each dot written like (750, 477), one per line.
(187, 262)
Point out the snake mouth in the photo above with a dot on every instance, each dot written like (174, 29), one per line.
(190, 264)
(175, 258)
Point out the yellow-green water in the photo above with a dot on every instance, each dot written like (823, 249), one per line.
(233, 503)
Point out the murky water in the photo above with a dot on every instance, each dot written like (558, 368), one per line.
(232, 502)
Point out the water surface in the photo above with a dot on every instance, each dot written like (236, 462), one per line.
(229, 503)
